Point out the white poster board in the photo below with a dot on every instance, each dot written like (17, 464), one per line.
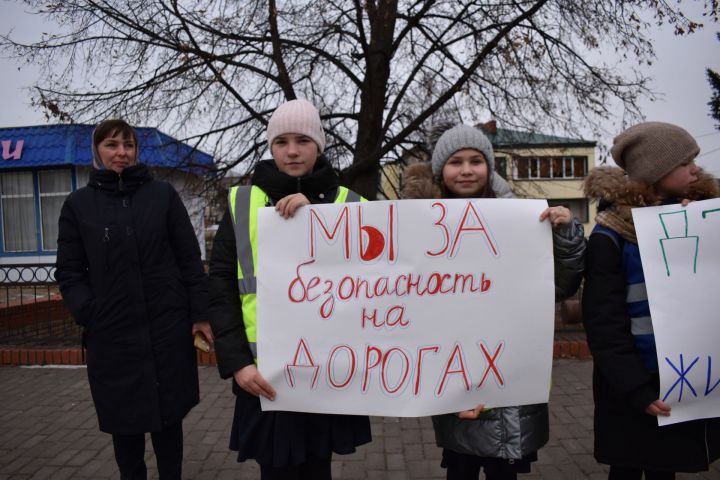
(680, 252)
(407, 308)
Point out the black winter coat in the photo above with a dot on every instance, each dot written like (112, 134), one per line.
(130, 273)
(623, 387)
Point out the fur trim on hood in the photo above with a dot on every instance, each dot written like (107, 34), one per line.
(417, 182)
(612, 185)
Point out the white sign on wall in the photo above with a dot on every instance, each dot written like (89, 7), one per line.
(680, 253)
(407, 308)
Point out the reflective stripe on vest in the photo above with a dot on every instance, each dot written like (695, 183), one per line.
(245, 202)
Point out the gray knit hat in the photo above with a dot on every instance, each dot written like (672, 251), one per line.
(296, 116)
(648, 151)
(458, 138)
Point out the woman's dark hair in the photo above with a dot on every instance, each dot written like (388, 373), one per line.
(110, 128)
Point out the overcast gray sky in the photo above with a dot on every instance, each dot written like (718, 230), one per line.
(679, 75)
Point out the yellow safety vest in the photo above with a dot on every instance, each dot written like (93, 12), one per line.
(245, 202)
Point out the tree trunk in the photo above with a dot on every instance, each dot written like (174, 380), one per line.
(363, 175)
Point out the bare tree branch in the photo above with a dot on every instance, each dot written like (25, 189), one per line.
(380, 71)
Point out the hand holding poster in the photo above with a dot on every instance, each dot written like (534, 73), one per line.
(405, 308)
(680, 251)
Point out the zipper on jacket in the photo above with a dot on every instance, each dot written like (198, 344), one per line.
(298, 184)
(120, 182)
(106, 241)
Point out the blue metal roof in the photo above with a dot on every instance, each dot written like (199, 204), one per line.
(53, 145)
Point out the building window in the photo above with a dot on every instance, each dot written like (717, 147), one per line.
(17, 200)
(549, 167)
(578, 207)
(30, 205)
(82, 176)
(54, 185)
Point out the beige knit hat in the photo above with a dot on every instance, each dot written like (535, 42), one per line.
(648, 151)
(296, 116)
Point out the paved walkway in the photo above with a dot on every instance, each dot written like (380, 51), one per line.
(48, 430)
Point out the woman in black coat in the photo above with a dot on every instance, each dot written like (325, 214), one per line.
(130, 272)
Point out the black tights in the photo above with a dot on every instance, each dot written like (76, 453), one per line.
(315, 469)
(623, 473)
(168, 447)
(467, 467)
(473, 473)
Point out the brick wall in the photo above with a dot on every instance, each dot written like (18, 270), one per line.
(19, 356)
(46, 319)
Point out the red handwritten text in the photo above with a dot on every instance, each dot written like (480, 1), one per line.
(470, 222)
(394, 316)
(393, 369)
(312, 288)
(372, 241)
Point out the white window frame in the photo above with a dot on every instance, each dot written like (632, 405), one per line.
(536, 162)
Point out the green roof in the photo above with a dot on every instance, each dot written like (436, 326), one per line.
(517, 139)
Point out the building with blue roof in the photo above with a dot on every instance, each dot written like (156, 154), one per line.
(41, 165)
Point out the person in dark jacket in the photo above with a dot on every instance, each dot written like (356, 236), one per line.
(129, 270)
(658, 162)
(502, 441)
(286, 445)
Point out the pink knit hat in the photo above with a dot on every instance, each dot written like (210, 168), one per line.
(296, 116)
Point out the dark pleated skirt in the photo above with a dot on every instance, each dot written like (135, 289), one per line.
(285, 439)
(463, 462)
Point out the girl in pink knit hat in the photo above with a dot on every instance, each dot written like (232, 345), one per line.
(287, 445)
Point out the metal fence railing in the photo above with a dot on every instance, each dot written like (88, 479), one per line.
(31, 309)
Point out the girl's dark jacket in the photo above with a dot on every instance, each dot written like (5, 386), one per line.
(508, 432)
(130, 272)
(622, 385)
